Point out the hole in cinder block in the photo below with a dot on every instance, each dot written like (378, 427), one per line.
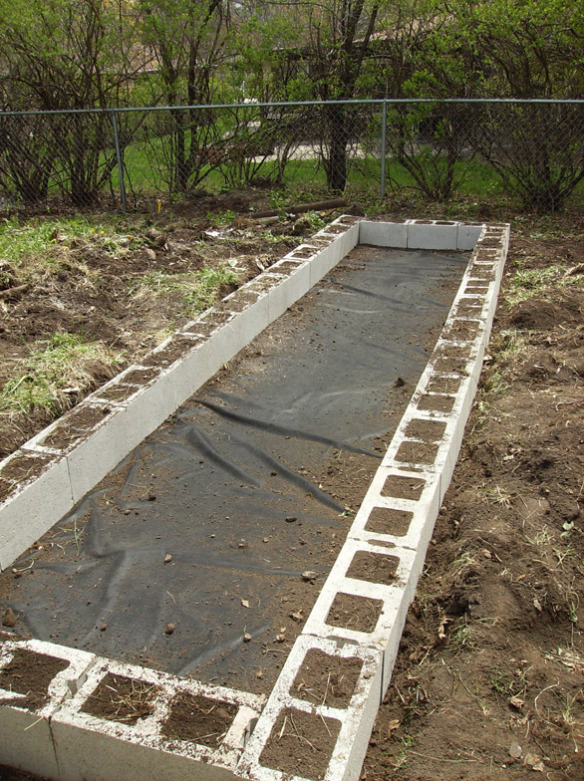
(21, 469)
(30, 673)
(301, 744)
(444, 384)
(469, 306)
(327, 680)
(198, 719)
(417, 452)
(140, 376)
(386, 520)
(117, 392)
(373, 567)
(482, 273)
(402, 487)
(463, 330)
(177, 348)
(426, 430)
(353, 612)
(75, 426)
(436, 403)
(123, 699)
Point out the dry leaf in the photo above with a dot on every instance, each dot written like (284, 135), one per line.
(392, 726)
(537, 605)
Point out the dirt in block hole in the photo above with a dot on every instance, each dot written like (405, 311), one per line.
(123, 699)
(30, 674)
(198, 719)
(373, 567)
(301, 744)
(417, 453)
(436, 403)
(426, 430)
(75, 426)
(386, 520)
(20, 469)
(327, 680)
(403, 487)
(349, 611)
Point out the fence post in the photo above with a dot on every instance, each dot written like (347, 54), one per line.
(119, 158)
(383, 142)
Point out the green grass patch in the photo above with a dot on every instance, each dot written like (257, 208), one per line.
(527, 283)
(198, 290)
(55, 370)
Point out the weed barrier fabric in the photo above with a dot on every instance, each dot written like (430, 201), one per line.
(202, 553)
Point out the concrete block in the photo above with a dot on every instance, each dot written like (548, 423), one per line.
(357, 717)
(383, 234)
(33, 507)
(468, 235)
(92, 748)
(25, 737)
(432, 234)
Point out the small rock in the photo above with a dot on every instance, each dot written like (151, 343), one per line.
(9, 618)
(309, 575)
(247, 638)
(103, 627)
(290, 518)
(245, 602)
(280, 638)
(297, 616)
(168, 558)
(169, 629)
(151, 496)
(517, 703)
(399, 383)
(515, 750)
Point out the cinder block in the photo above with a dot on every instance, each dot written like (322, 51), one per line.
(383, 234)
(432, 235)
(90, 747)
(468, 235)
(357, 718)
(25, 737)
(24, 516)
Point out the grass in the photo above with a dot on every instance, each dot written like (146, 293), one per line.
(54, 371)
(198, 291)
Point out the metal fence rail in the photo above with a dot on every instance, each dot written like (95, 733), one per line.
(531, 150)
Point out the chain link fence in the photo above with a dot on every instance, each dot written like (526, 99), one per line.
(529, 151)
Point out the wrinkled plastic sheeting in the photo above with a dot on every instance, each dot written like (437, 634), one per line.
(208, 525)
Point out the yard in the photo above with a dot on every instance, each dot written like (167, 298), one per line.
(488, 682)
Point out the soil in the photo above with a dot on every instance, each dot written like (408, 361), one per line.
(30, 674)
(198, 719)
(326, 680)
(122, 699)
(487, 684)
(488, 681)
(301, 744)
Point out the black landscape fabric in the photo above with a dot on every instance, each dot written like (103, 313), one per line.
(189, 557)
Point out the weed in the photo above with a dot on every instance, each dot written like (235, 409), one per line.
(529, 282)
(498, 496)
(198, 291)
(222, 218)
(499, 682)
(543, 537)
(56, 367)
(401, 756)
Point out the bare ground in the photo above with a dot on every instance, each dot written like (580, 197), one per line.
(488, 681)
